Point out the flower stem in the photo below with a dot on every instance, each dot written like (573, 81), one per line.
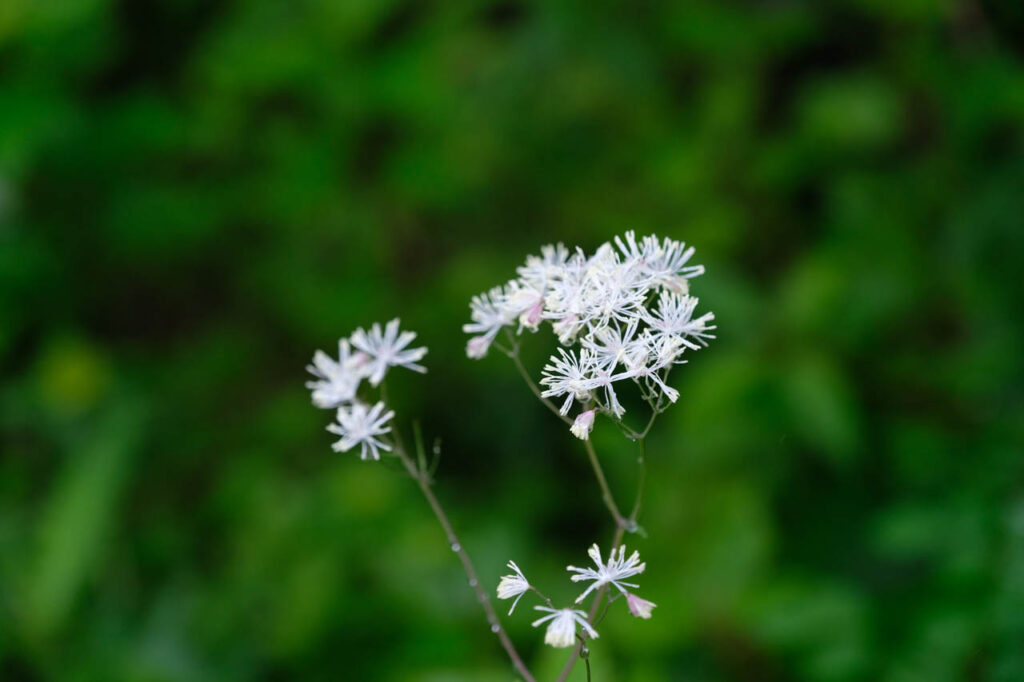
(514, 354)
(606, 493)
(492, 618)
(641, 461)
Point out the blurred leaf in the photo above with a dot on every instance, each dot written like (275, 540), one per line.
(78, 520)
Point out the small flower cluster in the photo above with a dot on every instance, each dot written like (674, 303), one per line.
(337, 384)
(562, 623)
(625, 314)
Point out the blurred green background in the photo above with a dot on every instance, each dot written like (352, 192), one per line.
(196, 195)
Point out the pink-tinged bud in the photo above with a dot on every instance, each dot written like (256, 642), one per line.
(477, 347)
(641, 608)
(531, 316)
(584, 423)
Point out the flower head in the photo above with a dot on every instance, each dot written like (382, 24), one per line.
(568, 375)
(513, 586)
(489, 313)
(359, 425)
(641, 608)
(562, 624)
(336, 380)
(673, 319)
(614, 572)
(387, 349)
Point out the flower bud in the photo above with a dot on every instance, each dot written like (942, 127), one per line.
(477, 347)
(583, 425)
(641, 608)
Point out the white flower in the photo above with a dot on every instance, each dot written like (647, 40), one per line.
(525, 301)
(612, 573)
(568, 375)
(664, 262)
(387, 349)
(673, 320)
(566, 301)
(359, 425)
(615, 290)
(337, 380)
(641, 608)
(583, 424)
(612, 345)
(561, 630)
(489, 314)
(513, 586)
(540, 271)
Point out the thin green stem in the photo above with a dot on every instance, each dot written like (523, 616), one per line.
(606, 493)
(641, 481)
(650, 423)
(542, 596)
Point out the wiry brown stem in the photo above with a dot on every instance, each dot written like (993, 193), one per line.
(492, 618)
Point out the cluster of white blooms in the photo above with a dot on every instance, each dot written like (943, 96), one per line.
(562, 623)
(337, 384)
(624, 313)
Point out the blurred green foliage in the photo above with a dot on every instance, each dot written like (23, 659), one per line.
(195, 195)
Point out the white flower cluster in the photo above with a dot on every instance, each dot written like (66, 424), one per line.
(625, 314)
(562, 623)
(337, 384)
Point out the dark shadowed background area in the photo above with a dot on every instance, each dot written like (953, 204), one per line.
(196, 195)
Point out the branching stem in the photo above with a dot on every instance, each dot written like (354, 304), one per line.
(514, 354)
(620, 531)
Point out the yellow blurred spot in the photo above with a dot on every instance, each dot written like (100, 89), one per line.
(72, 376)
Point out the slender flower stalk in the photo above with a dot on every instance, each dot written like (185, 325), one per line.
(423, 481)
